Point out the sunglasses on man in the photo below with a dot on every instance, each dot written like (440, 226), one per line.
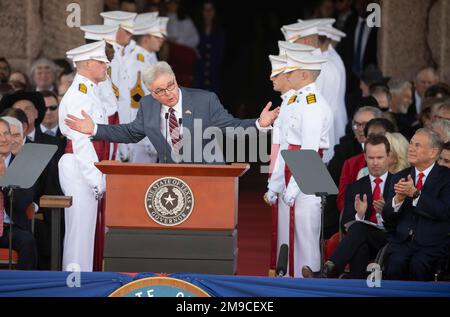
(52, 108)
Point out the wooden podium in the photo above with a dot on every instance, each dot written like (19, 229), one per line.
(171, 217)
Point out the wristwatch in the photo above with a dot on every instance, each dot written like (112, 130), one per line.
(416, 194)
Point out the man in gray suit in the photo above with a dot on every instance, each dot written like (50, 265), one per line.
(172, 117)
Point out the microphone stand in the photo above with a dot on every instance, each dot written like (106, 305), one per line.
(166, 116)
(11, 198)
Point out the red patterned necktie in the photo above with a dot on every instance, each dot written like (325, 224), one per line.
(2, 208)
(419, 183)
(174, 129)
(376, 195)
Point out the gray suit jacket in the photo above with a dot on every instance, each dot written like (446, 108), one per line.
(197, 104)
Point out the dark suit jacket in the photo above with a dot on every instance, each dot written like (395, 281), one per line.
(59, 140)
(362, 186)
(430, 219)
(347, 47)
(197, 104)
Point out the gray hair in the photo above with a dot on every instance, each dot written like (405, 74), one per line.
(377, 113)
(396, 86)
(42, 61)
(14, 122)
(155, 70)
(444, 125)
(428, 68)
(433, 138)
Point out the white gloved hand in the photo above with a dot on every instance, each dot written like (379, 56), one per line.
(100, 189)
(291, 193)
(124, 152)
(98, 193)
(270, 197)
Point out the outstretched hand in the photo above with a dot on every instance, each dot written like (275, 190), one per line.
(268, 116)
(85, 125)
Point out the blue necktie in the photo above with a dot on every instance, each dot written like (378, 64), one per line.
(357, 63)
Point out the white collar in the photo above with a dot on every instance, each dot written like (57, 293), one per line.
(383, 177)
(7, 160)
(32, 135)
(54, 130)
(288, 94)
(307, 88)
(178, 107)
(425, 172)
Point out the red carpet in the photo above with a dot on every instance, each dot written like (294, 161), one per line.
(254, 226)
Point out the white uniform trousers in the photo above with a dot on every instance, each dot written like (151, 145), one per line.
(80, 219)
(307, 233)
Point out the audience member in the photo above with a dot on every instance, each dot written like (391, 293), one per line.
(444, 159)
(418, 205)
(43, 75)
(5, 70)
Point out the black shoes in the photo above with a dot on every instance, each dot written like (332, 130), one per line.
(328, 271)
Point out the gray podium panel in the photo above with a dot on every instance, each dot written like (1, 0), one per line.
(170, 266)
(170, 251)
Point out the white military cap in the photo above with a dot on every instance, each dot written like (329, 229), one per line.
(292, 32)
(293, 47)
(95, 51)
(122, 18)
(148, 27)
(278, 64)
(145, 17)
(322, 21)
(163, 25)
(305, 61)
(335, 34)
(100, 32)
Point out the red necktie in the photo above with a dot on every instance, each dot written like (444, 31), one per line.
(174, 129)
(376, 195)
(419, 183)
(2, 208)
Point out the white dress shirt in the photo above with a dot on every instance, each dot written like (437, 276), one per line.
(164, 123)
(54, 130)
(372, 185)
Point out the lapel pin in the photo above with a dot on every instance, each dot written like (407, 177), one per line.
(188, 112)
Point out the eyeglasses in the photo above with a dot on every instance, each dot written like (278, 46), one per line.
(52, 108)
(161, 91)
(356, 125)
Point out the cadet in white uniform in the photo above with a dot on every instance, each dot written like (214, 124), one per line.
(306, 124)
(280, 211)
(307, 32)
(149, 39)
(108, 92)
(118, 70)
(78, 176)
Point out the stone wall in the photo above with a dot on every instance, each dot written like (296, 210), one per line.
(33, 28)
(414, 34)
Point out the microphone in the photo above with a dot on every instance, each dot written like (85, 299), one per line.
(166, 116)
(180, 123)
(282, 264)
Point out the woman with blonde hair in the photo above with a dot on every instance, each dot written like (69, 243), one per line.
(398, 158)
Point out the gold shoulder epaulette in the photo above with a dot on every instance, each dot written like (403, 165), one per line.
(311, 98)
(82, 88)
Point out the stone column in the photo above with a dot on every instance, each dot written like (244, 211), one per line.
(413, 35)
(34, 28)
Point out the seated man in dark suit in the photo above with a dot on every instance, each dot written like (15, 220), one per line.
(22, 239)
(419, 206)
(364, 201)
